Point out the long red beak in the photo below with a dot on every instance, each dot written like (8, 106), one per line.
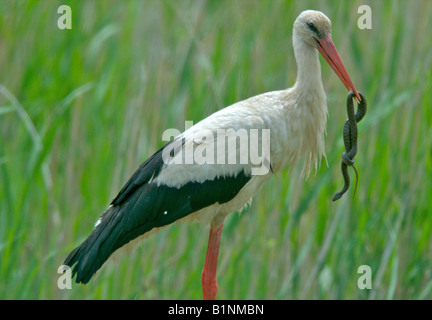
(328, 50)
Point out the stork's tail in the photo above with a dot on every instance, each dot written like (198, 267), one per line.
(106, 238)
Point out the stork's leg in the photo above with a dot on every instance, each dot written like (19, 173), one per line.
(208, 277)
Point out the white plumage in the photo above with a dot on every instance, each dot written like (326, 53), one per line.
(297, 124)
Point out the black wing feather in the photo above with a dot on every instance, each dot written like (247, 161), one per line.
(141, 206)
(150, 168)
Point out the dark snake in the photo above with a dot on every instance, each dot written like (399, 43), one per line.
(350, 135)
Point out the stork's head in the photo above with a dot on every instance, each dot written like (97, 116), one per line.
(311, 25)
(314, 28)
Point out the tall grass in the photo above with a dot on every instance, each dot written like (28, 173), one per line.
(80, 109)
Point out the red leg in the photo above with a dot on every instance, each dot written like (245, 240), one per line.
(208, 277)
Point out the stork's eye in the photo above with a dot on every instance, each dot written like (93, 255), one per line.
(312, 27)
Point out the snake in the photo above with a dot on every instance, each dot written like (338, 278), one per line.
(350, 135)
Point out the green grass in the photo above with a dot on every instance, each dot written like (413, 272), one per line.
(80, 109)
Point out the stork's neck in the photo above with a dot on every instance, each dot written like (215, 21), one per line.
(308, 68)
(310, 101)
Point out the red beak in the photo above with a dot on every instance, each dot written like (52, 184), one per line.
(328, 50)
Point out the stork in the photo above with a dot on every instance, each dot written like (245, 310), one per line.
(164, 189)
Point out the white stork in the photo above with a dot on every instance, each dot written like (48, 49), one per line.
(163, 190)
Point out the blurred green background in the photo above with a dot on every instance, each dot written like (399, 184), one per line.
(80, 109)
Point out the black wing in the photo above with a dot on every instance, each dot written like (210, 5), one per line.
(141, 206)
